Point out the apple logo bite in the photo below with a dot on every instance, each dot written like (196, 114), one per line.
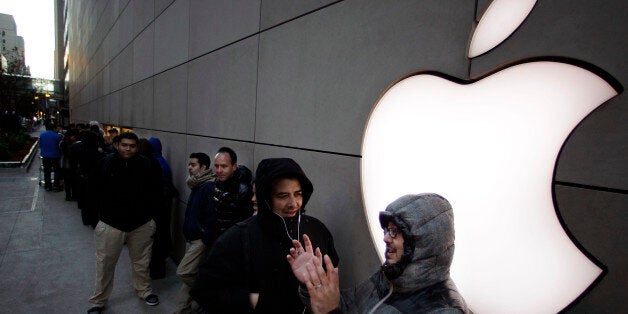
(489, 145)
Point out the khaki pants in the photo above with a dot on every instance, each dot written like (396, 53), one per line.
(109, 243)
(188, 267)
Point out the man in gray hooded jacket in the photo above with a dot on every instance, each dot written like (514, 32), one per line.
(419, 236)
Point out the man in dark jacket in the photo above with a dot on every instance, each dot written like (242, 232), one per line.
(199, 220)
(246, 270)
(419, 236)
(162, 243)
(85, 150)
(232, 191)
(69, 164)
(124, 185)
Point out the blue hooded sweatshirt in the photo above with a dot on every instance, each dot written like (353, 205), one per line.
(166, 172)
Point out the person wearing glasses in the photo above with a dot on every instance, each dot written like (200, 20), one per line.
(419, 237)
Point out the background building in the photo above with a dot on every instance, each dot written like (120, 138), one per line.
(12, 45)
(299, 78)
(61, 60)
(16, 86)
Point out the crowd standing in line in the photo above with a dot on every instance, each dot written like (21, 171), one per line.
(239, 230)
(217, 202)
(68, 164)
(246, 270)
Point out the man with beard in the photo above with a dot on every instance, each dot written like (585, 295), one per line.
(419, 236)
(246, 270)
(197, 227)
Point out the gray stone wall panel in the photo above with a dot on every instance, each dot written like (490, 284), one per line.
(143, 54)
(112, 110)
(126, 105)
(125, 25)
(124, 63)
(171, 36)
(597, 151)
(598, 221)
(322, 74)
(143, 14)
(221, 91)
(170, 100)
(275, 12)
(142, 107)
(214, 24)
(161, 5)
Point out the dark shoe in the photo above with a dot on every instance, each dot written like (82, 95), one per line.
(152, 299)
(96, 310)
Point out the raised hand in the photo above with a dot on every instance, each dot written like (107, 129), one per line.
(323, 287)
(300, 257)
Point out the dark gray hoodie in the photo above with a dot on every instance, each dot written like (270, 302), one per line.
(420, 281)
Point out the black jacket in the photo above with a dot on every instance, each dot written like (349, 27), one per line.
(124, 191)
(251, 256)
(232, 199)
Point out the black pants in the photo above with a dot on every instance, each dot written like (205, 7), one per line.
(50, 165)
(162, 244)
(69, 183)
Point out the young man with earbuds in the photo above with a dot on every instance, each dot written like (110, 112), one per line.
(246, 270)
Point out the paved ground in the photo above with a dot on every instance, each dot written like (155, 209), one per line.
(47, 261)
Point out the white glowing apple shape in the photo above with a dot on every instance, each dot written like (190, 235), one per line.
(490, 148)
(500, 19)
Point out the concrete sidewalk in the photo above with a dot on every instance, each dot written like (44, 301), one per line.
(47, 255)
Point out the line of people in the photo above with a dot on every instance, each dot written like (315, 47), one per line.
(250, 245)
(129, 201)
(261, 266)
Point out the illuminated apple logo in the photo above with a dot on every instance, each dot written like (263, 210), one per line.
(489, 145)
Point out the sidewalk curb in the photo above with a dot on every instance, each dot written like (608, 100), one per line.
(26, 162)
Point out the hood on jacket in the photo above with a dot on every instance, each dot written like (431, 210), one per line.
(273, 168)
(426, 222)
(166, 171)
(156, 144)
